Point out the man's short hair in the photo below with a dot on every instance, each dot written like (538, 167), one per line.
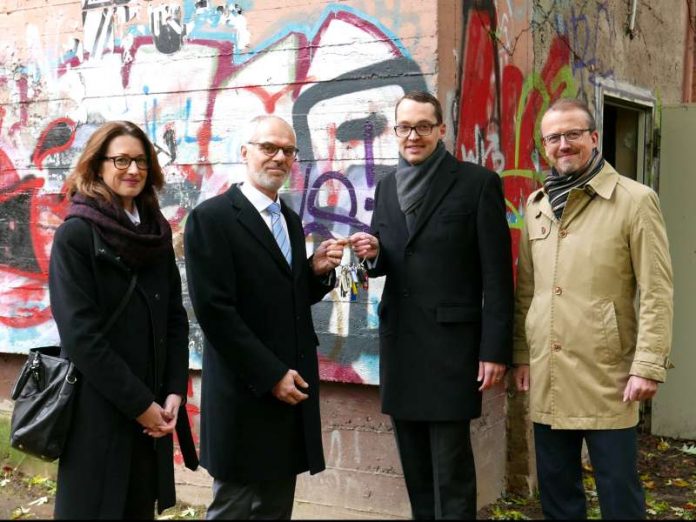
(569, 104)
(422, 97)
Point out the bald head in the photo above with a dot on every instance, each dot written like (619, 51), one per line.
(259, 122)
(269, 152)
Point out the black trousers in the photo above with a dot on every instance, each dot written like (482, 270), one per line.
(263, 500)
(439, 469)
(613, 454)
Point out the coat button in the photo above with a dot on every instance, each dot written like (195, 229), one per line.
(558, 290)
(157, 296)
(556, 347)
(563, 233)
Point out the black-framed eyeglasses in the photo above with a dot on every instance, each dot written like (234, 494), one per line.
(422, 129)
(123, 162)
(271, 149)
(571, 135)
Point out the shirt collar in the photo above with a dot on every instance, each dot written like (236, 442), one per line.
(258, 199)
(133, 216)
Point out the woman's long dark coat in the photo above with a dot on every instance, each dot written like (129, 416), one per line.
(148, 342)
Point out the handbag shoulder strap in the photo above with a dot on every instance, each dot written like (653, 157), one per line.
(122, 304)
(126, 297)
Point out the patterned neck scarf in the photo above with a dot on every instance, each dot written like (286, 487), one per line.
(558, 187)
(138, 245)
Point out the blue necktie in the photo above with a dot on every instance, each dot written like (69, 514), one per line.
(279, 232)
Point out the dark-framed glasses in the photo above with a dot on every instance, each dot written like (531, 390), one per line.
(271, 149)
(422, 129)
(571, 135)
(123, 162)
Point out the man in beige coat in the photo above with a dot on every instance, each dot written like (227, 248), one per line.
(592, 239)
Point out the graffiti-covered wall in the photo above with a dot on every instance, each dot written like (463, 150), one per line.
(192, 72)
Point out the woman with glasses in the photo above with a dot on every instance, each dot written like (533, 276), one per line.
(118, 459)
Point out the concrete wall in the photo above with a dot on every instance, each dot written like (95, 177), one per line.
(191, 72)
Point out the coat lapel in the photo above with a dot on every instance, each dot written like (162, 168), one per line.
(440, 185)
(250, 219)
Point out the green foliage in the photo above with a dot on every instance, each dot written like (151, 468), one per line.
(498, 513)
(45, 484)
(183, 512)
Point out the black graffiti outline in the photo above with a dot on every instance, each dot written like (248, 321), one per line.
(400, 72)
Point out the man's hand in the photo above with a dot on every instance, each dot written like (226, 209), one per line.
(328, 256)
(286, 391)
(639, 389)
(521, 374)
(490, 373)
(364, 245)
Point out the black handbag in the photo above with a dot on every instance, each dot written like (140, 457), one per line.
(43, 396)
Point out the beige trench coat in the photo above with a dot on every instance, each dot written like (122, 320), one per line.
(576, 322)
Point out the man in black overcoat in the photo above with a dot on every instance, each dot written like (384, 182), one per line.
(440, 235)
(252, 286)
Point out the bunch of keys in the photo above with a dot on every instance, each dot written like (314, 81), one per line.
(350, 276)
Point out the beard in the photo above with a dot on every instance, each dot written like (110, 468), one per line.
(270, 181)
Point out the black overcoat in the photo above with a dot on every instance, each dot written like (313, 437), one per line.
(448, 296)
(255, 315)
(86, 282)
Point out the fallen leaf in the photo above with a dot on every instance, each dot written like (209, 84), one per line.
(19, 512)
(4, 482)
(690, 450)
(649, 484)
(690, 505)
(677, 510)
(38, 501)
(663, 445)
(680, 483)
(587, 467)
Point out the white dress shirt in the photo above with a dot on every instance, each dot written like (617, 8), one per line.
(260, 201)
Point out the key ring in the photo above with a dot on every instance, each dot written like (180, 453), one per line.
(352, 276)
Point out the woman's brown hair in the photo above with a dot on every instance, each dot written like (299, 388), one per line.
(85, 179)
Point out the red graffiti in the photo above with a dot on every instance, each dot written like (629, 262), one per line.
(499, 110)
(193, 413)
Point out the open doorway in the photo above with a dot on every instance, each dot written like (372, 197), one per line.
(625, 137)
(627, 143)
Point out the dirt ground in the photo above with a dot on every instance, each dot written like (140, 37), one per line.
(667, 468)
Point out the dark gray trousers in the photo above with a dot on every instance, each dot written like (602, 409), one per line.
(263, 500)
(613, 454)
(439, 469)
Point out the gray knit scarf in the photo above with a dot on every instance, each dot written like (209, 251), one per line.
(558, 187)
(412, 181)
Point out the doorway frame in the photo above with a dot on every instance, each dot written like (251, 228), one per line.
(643, 101)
